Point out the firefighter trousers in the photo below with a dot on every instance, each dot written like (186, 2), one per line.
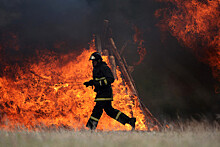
(110, 111)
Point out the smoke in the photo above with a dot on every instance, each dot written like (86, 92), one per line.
(45, 21)
(195, 24)
(8, 12)
(138, 40)
(170, 80)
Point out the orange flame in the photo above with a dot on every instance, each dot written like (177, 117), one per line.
(138, 39)
(195, 24)
(49, 92)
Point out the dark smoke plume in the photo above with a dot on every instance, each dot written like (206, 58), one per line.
(170, 80)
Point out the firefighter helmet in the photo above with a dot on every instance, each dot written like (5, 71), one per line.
(95, 56)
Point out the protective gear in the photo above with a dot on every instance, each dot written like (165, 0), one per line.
(132, 123)
(89, 83)
(96, 56)
(110, 111)
(102, 80)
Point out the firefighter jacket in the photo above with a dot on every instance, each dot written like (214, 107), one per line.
(103, 78)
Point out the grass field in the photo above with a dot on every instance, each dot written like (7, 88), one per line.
(192, 134)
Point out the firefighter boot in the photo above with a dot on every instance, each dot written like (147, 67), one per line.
(132, 122)
(91, 124)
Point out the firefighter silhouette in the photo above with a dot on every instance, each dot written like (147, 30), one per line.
(102, 80)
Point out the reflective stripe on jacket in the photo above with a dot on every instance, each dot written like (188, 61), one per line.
(102, 74)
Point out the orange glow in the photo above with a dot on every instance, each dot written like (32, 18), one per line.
(48, 92)
(138, 39)
(195, 24)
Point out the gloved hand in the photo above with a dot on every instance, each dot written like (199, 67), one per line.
(89, 83)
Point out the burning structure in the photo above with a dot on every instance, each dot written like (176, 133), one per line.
(48, 91)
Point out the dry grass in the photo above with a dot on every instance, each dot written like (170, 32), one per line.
(189, 134)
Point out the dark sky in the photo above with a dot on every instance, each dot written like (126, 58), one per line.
(170, 81)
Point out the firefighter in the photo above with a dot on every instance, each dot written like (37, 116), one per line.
(102, 80)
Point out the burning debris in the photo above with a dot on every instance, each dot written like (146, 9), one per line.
(48, 91)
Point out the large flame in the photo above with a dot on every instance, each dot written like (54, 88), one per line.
(195, 24)
(49, 92)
